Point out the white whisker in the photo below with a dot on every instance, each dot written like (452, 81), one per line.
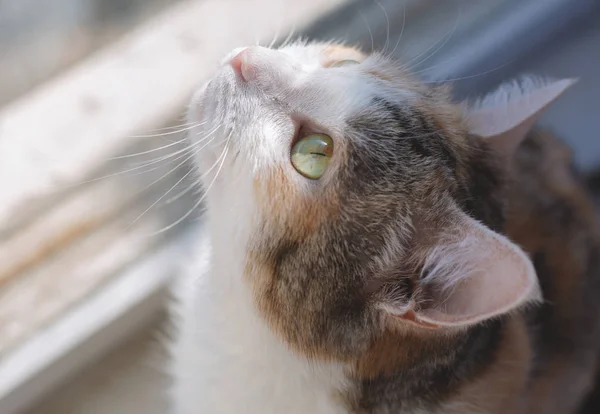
(443, 39)
(256, 39)
(129, 170)
(401, 30)
(387, 20)
(182, 193)
(166, 128)
(194, 153)
(160, 159)
(177, 154)
(187, 128)
(275, 36)
(471, 76)
(137, 154)
(182, 151)
(289, 36)
(161, 197)
(456, 22)
(369, 29)
(164, 146)
(206, 191)
(172, 187)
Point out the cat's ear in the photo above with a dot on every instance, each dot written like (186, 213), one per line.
(505, 116)
(469, 275)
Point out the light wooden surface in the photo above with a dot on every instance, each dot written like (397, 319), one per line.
(41, 38)
(129, 380)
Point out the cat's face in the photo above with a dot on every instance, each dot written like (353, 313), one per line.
(278, 97)
(352, 191)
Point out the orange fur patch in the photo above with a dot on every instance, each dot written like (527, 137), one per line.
(336, 53)
(396, 350)
(382, 76)
(298, 214)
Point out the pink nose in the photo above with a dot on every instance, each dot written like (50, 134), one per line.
(240, 64)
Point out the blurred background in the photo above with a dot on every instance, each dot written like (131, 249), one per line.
(98, 203)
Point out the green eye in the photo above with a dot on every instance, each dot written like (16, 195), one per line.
(344, 63)
(311, 154)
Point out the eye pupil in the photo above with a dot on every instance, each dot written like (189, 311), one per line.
(310, 155)
(347, 62)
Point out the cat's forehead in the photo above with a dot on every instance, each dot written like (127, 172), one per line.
(328, 84)
(374, 66)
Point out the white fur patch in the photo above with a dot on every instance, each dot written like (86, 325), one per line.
(227, 361)
(511, 91)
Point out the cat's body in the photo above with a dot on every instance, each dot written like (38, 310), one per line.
(554, 218)
(364, 293)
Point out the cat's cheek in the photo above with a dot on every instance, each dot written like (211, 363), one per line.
(289, 207)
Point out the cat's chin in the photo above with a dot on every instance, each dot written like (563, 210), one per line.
(204, 106)
(205, 137)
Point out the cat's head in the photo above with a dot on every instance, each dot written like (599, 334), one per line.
(361, 200)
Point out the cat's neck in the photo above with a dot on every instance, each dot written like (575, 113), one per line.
(414, 371)
(257, 372)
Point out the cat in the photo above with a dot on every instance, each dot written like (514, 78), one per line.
(372, 247)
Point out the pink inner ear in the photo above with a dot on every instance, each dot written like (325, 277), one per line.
(473, 274)
(477, 277)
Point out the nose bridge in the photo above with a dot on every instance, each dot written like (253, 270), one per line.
(267, 67)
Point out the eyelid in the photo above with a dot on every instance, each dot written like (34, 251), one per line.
(343, 63)
(305, 126)
(305, 130)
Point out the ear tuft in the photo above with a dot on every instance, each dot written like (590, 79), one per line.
(506, 115)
